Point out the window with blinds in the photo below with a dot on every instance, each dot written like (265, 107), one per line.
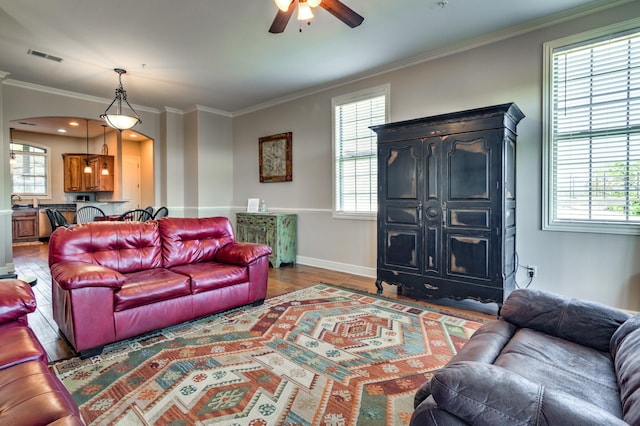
(593, 145)
(29, 170)
(355, 146)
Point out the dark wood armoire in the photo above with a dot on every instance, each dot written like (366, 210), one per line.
(447, 204)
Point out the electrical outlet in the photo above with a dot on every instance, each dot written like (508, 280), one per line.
(532, 271)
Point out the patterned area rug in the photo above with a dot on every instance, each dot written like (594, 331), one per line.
(319, 356)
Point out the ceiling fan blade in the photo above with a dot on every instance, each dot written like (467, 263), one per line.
(342, 12)
(282, 18)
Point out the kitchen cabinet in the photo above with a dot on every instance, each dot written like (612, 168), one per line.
(24, 225)
(276, 230)
(447, 203)
(75, 180)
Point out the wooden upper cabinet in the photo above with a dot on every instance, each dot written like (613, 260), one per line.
(75, 180)
(73, 176)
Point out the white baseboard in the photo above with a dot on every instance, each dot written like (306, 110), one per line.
(337, 266)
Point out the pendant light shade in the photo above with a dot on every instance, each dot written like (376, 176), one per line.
(104, 151)
(12, 155)
(314, 3)
(87, 167)
(118, 119)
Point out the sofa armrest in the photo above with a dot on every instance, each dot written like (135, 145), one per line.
(16, 300)
(580, 321)
(429, 414)
(485, 394)
(242, 254)
(72, 275)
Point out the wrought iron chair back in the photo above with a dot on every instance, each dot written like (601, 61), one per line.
(136, 215)
(161, 212)
(88, 214)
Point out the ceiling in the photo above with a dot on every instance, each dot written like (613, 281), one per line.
(218, 53)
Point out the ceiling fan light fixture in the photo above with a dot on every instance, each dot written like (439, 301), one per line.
(283, 5)
(118, 120)
(314, 3)
(304, 11)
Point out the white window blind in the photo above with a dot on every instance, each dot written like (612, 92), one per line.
(29, 171)
(355, 147)
(595, 135)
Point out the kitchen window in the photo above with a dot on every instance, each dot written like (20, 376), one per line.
(591, 159)
(355, 151)
(29, 170)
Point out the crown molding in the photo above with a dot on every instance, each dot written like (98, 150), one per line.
(70, 94)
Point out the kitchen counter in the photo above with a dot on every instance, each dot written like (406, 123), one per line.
(109, 207)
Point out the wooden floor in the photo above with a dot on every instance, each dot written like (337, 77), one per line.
(31, 260)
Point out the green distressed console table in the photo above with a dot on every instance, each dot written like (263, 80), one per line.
(277, 230)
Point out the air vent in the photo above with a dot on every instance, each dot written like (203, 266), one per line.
(44, 55)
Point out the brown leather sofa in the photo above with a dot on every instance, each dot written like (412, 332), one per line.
(30, 394)
(549, 360)
(115, 280)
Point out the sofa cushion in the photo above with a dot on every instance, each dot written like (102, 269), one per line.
(122, 246)
(31, 395)
(559, 364)
(625, 349)
(193, 240)
(150, 286)
(16, 300)
(207, 276)
(581, 321)
(19, 344)
(485, 394)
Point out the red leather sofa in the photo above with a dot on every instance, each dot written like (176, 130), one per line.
(30, 394)
(115, 280)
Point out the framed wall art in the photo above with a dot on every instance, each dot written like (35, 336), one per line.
(275, 158)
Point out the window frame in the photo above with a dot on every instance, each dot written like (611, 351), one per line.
(47, 155)
(361, 95)
(549, 221)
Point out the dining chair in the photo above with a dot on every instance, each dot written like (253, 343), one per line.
(88, 214)
(161, 212)
(52, 219)
(136, 215)
(60, 219)
(150, 210)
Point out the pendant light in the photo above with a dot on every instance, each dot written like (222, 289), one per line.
(104, 152)
(119, 120)
(87, 167)
(12, 155)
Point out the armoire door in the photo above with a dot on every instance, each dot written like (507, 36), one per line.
(400, 217)
(471, 206)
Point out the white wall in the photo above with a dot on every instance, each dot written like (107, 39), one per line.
(215, 164)
(591, 266)
(207, 163)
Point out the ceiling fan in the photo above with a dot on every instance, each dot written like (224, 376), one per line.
(305, 13)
